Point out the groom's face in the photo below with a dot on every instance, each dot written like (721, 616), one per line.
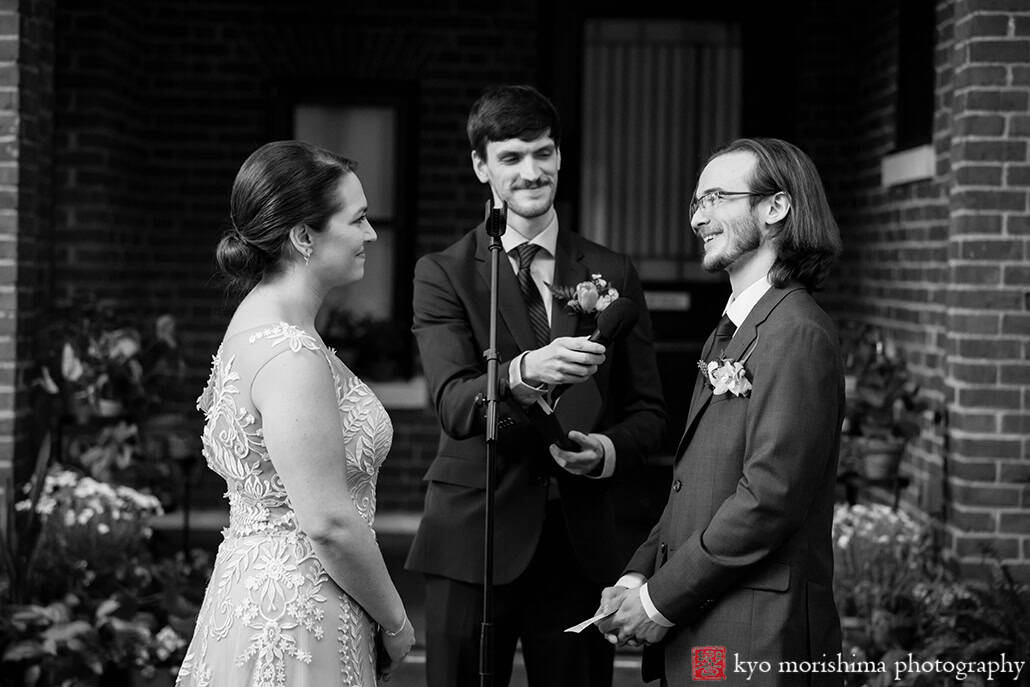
(523, 173)
(729, 229)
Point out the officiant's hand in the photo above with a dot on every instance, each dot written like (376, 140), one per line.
(588, 460)
(630, 624)
(566, 360)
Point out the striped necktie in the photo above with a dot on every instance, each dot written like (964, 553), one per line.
(531, 294)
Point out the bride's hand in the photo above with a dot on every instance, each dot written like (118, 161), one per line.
(397, 647)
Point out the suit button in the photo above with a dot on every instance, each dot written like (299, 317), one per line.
(662, 548)
(677, 485)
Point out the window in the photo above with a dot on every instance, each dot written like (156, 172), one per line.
(658, 96)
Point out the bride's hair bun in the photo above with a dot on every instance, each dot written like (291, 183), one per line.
(283, 184)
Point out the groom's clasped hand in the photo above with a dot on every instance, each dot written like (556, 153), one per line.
(626, 621)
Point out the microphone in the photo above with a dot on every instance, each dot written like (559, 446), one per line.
(618, 318)
(496, 218)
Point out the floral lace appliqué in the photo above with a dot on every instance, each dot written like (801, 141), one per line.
(268, 597)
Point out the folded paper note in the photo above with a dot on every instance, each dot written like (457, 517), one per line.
(590, 621)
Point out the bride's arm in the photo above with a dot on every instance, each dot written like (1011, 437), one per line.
(295, 395)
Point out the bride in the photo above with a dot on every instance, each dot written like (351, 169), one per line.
(299, 594)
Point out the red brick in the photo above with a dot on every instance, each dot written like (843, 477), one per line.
(978, 75)
(1020, 75)
(974, 521)
(994, 100)
(983, 423)
(989, 397)
(973, 323)
(1017, 51)
(990, 200)
(1015, 523)
(1015, 324)
(979, 175)
(977, 223)
(1007, 547)
(982, 25)
(1015, 472)
(973, 373)
(987, 448)
(990, 151)
(974, 470)
(1018, 225)
(989, 249)
(986, 299)
(976, 274)
(1017, 175)
(1015, 374)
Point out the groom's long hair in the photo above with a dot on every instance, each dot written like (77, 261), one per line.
(807, 239)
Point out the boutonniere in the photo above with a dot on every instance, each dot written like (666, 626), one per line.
(587, 297)
(726, 375)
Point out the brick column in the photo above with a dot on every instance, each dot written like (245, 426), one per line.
(26, 130)
(988, 373)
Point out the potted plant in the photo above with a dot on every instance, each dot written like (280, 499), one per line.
(884, 406)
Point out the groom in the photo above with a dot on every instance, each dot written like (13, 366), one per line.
(739, 567)
(554, 527)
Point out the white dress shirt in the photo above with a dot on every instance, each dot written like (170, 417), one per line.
(738, 307)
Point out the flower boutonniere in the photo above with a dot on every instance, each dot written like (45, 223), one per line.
(726, 375)
(587, 297)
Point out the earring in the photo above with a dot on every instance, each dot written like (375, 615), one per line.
(307, 257)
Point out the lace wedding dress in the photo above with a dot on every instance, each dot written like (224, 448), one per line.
(271, 616)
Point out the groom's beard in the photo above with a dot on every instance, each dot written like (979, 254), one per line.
(739, 237)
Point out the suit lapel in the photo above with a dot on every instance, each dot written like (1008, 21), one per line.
(568, 271)
(509, 299)
(740, 345)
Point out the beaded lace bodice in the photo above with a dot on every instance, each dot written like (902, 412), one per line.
(234, 444)
(271, 609)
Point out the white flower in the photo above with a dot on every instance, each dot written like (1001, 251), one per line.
(727, 375)
(71, 366)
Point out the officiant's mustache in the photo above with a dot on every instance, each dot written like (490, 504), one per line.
(530, 185)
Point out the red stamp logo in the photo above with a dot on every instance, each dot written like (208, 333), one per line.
(709, 663)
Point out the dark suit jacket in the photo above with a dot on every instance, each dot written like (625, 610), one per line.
(741, 556)
(451, 325)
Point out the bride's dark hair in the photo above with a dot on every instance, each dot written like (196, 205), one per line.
(281, 185)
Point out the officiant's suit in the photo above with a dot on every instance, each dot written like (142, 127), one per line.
(741, 557)
(533, 495)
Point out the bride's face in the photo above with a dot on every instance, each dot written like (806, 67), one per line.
(339, 251)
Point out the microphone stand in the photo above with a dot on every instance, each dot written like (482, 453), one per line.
(496, 222)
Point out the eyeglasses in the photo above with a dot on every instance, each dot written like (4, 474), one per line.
(713, 198)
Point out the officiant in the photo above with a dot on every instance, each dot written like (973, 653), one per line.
(554, 522)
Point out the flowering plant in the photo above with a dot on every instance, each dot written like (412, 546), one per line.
(84, 596)
(726, 375)
(89, 354)
(587, 297)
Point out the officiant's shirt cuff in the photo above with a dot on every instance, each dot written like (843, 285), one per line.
(524, 393)
(652, 612)
(609, 457)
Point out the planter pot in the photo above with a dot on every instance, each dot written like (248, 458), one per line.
(881, 457)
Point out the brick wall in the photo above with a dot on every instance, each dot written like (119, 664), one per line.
(159, 103)
(939, 265)
(26, 123)
(988, 376)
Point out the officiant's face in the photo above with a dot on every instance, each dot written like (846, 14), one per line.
(523, 173)
(728, 227)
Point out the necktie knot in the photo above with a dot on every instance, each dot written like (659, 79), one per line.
(524, 254)
(725, 329)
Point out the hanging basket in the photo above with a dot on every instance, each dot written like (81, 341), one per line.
(881, 457)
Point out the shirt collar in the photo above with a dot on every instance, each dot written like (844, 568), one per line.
(547, 239)
(739, 307)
